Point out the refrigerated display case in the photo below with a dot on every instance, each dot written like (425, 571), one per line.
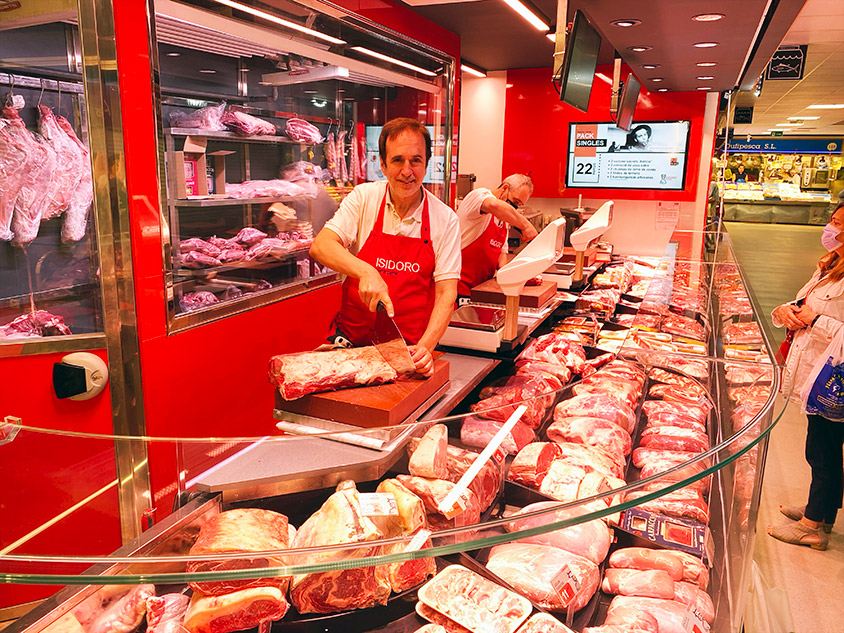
(735, 372)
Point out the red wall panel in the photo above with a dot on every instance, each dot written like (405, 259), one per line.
(536, 127)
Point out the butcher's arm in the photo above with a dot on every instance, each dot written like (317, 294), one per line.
(328, 250)
(445, 294)
(508, 214)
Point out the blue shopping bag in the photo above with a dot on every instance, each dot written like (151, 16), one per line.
(826, 397)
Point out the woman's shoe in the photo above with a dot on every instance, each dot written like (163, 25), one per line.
(795, 513)
(799, 534)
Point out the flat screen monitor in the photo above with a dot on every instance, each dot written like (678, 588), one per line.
(579, 63)
(627, 102)
(652, 155)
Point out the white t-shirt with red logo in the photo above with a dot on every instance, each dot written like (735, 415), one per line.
(354, 219)
(472, 220)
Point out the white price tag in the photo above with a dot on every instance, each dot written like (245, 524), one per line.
(566, 584)
(418, 541)
(378, 504)
(693, 622)
(584, 169)
(18, 102)
(499, 455)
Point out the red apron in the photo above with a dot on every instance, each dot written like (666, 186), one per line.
(480, 258)
(407, 266)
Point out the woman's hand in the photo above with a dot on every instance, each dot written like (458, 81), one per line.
(788, 315)
(422, 360)
(805, 314)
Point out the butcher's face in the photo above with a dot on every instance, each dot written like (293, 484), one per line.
(405, 166)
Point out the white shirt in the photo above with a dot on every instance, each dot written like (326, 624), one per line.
(473, 221)
(354, 220)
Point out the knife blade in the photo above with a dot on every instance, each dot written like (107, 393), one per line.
(390, 343)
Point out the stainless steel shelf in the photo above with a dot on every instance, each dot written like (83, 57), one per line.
(231, 202)
(231, 136)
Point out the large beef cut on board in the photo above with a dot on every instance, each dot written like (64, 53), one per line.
(234, 611)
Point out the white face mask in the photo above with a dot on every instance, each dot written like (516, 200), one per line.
(829, 238)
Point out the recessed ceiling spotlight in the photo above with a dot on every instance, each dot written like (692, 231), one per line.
(626, 23)
(663, 90)
(803, 118)
(706, 44)
(639, 49)
(650, 66)
(705, 77)
(704, 87)
(208, 71)
(706, 64)
(173, 54)
(657, 79)
(708, 17)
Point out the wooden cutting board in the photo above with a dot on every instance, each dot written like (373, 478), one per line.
(378, 405)
(530, 297)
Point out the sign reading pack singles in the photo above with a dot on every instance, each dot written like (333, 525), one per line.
(651, 155)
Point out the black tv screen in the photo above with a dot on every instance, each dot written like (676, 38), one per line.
(652, 155)
(579, 63)
(627, 102)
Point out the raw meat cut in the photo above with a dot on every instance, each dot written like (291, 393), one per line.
(627, 392)
(339, 520)
(124, 614)
(657, 467)
(674, 438)
(430, 457)
(354, 163)
(650, 583)
(556, 349)
(689, 384)
(602, 406)
(248, 236)
(82, 195)
(331, 155)
(694, 411)
(243, 530)
(684, 503)
(434, 491)
(673, 419)
(275, 188)
(196, 260)
(590, 539)
(431, 628)
(543, 623)
(476, 431)
(166, 613)
(195, 300)
(13, 160)
(646, 558)
(675, 393)
(562, 372)
(531, 464)
(235, 611)
(740, 395)
(742, 334)
(38, 173)
(745, 374)
(201, 246)
(592, 457)
(301, 130)
(38, 323)
(438, 619)
(562, 481)
(604, 300)
(627, 619)
(299, 374)
(538, 571)
(691, 595)
(670, 614)
(536, 390)
(591, 431)
(683, 326)
(694, 570)
(643, 456)
(502, 407)
(207, 118)
(246, 124)
(474, 602)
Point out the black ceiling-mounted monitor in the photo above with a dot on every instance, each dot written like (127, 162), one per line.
(581, 57)
(627, 102)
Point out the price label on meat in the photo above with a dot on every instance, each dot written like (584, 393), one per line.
(566, 584)
(418, 541)
(693, 621)
(378, 504)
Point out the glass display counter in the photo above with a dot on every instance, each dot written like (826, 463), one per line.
(689, 344)
(777, 202)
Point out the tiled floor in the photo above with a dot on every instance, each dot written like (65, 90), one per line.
(777, 260)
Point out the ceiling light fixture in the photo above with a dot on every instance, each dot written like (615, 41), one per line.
(475, 72)
(708, 17)
(281, 21)
(826, 106)
(706, 44)
(705, 88)
(552, 37)
(639, 49)
(706, 64)
(626, 23)
(173, 54)
(208, 71)
(527, 14)
(803, 118)
(657, 79)
(789, 124)
(663, 90)
(777, 129)
(650, 66)
(392, 60)
(705, 77)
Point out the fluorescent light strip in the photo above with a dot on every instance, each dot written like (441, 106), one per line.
(392, 60)
(274, 18)
(552, 37)
(527, 14)
(472, 71)
(803, 118)
(826, 106)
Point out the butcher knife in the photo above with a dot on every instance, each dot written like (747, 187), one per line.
(390, 343)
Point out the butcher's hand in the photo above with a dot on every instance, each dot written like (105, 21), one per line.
(422, 360)
(788, 315)
(373, 289)
(528, 232)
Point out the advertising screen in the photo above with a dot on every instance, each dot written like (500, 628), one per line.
(652, 155)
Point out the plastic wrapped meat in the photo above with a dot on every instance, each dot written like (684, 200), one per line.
(674, 438)
(66, 174)
(603, 406)
(693, 596)
(688, 301)
(195, 300)
(166, 613)
(592, 457)
(531, 464)
(744, 374)
(276, 188)
(430, 456)
(590, 539)
(196, 260)
(670, 614)
(302, 170)
(649, 583)
(38, 323)
(603, 300)
(590, 431)
(543, 623)
(742, 334)
(645, 455)
(231, 255)
(246, 124)
(562, 372)
(433, 492)
(248, 236)
(82, 196)
(695, 411)
(685, 503)
(301, 130)
(207, 118)
(626, 391)
(539, 572)
(683, 326)
(477, 432)
(647, 558)
(536, 391)
(270, 247)
(13, 161)
(124, 614)
(623, 369)
(690, 385)
(556, 349)
(681, 395)
(199, 245)
(740, 395)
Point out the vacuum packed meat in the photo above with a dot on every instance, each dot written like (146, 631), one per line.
(13, 161)
(543, 623)
(531, 464)
(674, 438)
(556, 349)
(477, 432)
(742, 333)
(246, 124)
(207, 118)
(603, 406)
(670, 614)
(683, 326)
(81, 196)
(301, 130)
(124, 614)
(38, 323)
(684, 503)
(650, 583)
(591, 431)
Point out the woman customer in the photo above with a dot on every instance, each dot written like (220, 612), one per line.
(816, 317)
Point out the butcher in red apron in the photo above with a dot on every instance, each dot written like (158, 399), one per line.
(485, 217)
(408, 249)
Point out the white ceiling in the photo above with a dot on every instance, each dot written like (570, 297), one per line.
(821, 26)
